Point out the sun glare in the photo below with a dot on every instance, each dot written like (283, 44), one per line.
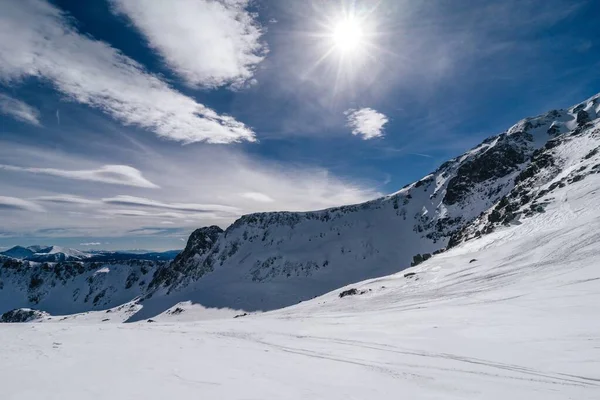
(346, 40)
(348, 34)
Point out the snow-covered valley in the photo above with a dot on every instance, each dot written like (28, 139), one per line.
(511, 315)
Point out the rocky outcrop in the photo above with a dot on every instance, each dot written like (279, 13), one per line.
(21, 315)
(190, 263)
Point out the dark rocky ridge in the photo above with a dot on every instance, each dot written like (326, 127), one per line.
(200, 242)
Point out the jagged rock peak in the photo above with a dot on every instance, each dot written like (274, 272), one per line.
(200, 243)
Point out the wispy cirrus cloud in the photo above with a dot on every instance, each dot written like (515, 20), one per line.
(38, 40)
(208, 43)
(260, 197)
(143, 202)
(19, 110)
(114, 174)
(14, 203)
(230, 184)
(67, 199)
(366, 122)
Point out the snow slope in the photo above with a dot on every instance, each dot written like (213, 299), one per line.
(271, 260)
(511, 315)
(73, 286)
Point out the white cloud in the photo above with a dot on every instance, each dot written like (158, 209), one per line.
(260, 197)
(366, 122)
(37, 40)
(208, 43)
(14, 203)
(90, 244)
(140, 201)
(19, 110)
(66, 199)
(115, 174)
(200, 186)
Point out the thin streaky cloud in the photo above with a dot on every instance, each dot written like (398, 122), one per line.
(421, 155)
(113, 174)
(259, 197)
(14, 203)
(67, 199)
(19, 110)
(140, 201)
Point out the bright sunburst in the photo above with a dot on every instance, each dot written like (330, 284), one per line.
(345, 40)
(348, 34)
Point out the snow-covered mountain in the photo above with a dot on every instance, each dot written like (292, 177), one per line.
(270, 260)
(58, 254)
(70, 287)
(45, 253)
(18, 252)
(511, 315)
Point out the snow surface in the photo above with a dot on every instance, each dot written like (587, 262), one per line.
(512, 315)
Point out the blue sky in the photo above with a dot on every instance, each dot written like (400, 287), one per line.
(128, 123)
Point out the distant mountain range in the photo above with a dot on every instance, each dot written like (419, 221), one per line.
(59, 254)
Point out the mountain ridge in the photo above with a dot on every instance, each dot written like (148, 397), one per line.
(383, 235)
(265, 261)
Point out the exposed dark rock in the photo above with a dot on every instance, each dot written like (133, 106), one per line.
(583, 117)
(591, 153)
(200, 243)
(497, 162)
(554, 130)
(35, 282)
(22, 315)
(418, 259)
(349, 292)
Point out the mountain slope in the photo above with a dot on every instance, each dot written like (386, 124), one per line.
(512, 315)
(271, 260)
(18, 252)
(72, 286)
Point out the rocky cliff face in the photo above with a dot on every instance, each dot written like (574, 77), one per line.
(189, 264)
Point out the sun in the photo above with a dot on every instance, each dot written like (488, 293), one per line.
(346, 38)
(348, 34)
